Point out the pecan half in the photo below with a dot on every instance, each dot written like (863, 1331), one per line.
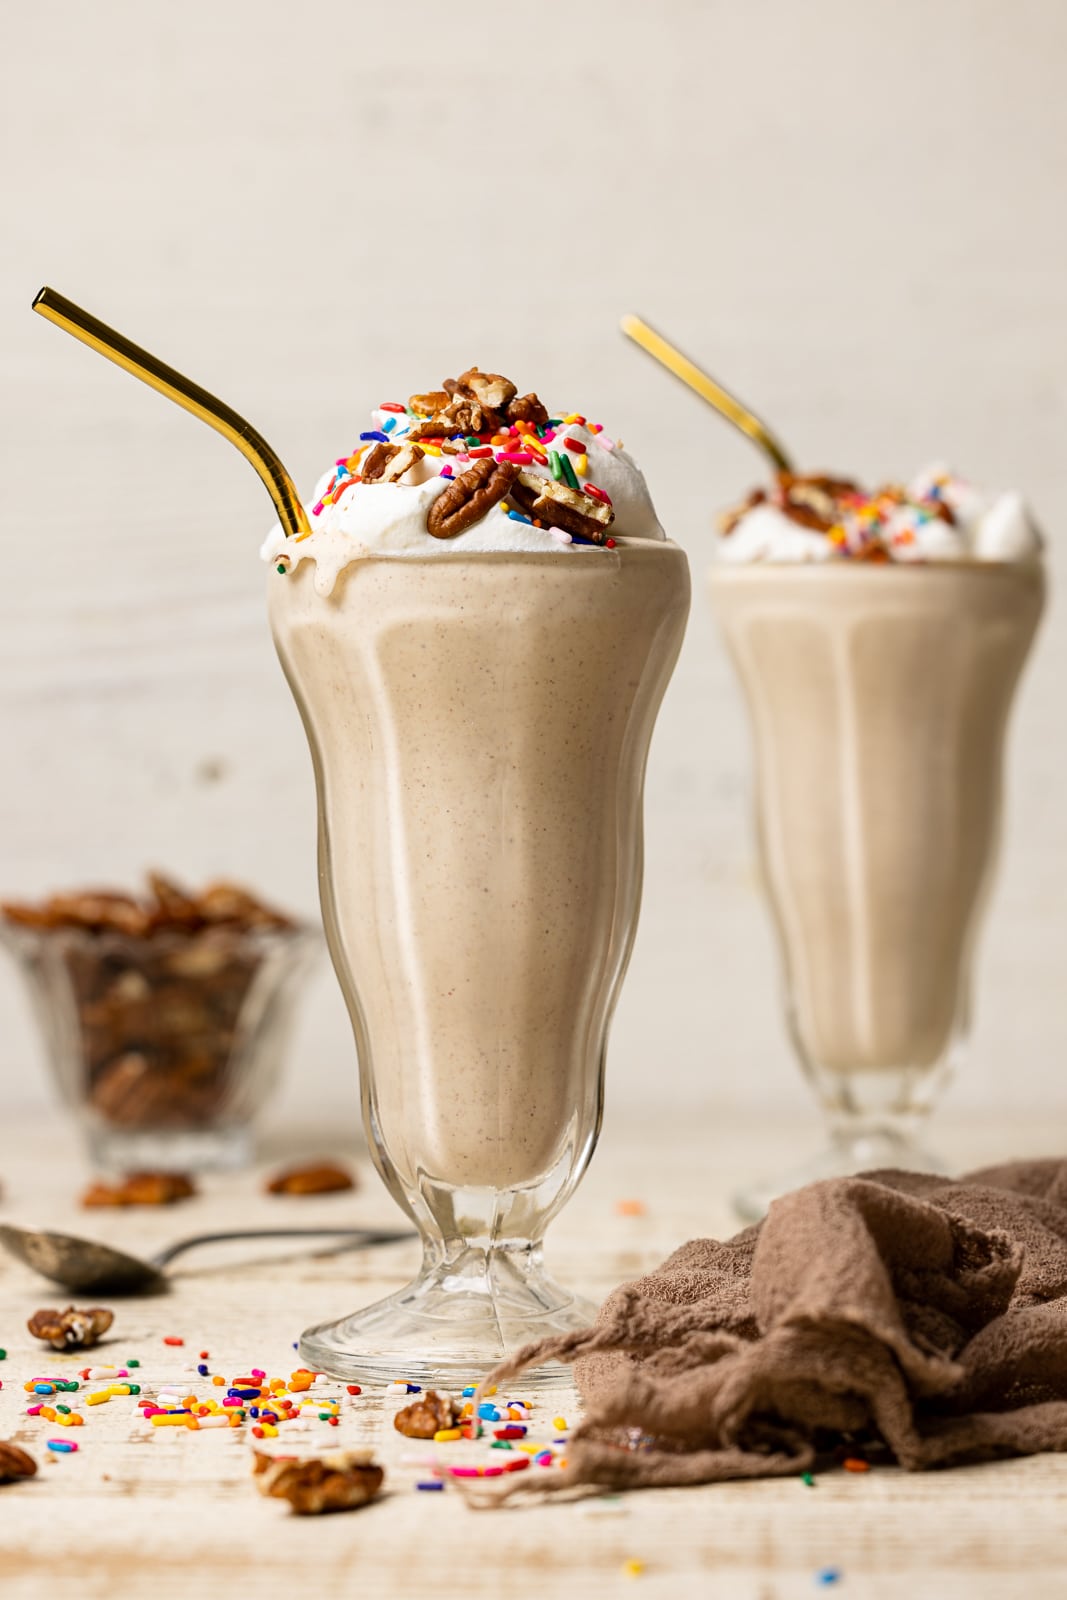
(560, 506)
(319, 1177)
(527, 408)
(727, 520)
(491, 391)
(427, 405)
(473, 494)
(15, 1463)
(340, 1481)
(70, 1329)
(427, 1415)
(389, 462)
(141, 1189)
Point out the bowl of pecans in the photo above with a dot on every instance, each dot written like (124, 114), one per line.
(165, 1017)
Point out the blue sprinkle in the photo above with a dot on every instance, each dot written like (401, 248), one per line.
(390, 425)
(468, 1391)
(430, 1483)
(516, 516)
(376, 433)
(295, 1345)
(253, 1411)
(202, 1369)
(828, 1575)
(414, 1388)
(60, 1445)
(242, 1394)
(44, 1388)
(488, 1413)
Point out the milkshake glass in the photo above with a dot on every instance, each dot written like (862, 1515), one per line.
(479, 721)
(879, 693)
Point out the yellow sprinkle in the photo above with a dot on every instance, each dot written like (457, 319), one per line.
(529, 1449)
(269, 1429)
(633, 1568)
(491, 1389)
(100, 1398)
(119, 1388)
(581, 466)
(429, 449)
(532, 442)
(573, 417)
(445, 1435)
(64, 1419)
(168, 1422)
(559, 1422)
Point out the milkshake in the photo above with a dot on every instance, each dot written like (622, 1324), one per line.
(479, 701)
(879, 640)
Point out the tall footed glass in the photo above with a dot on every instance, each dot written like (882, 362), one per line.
(479, 724)
(879, 697)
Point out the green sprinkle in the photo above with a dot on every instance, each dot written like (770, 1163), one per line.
(65, 1410)
(70, 1388)
(324, 1416)
(133, 1363)
(556, 465)
(281, 569)
(501, 1444)
(473, 440)
(808, 1478)
(554, 422)
(3, 1355)
(569, 474)
(135, 1388)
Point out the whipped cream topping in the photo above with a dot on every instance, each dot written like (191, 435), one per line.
(939, 516)
(352, 518)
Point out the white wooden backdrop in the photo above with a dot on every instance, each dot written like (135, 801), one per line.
(852, 213)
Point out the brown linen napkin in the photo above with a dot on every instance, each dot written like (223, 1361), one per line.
(894, 1314)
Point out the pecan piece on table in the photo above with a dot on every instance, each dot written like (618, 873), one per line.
(468, 499)
(340, 1481)
(427, 1415)
(15, 1463)
(70, 1329)
(527, 408)
(491, 391)
(560, 506)
(141, 1189)
(389, 462)
(318, 1177)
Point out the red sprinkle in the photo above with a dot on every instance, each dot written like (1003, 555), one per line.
(575, 444)
(391, 405)
(597, 494)
(519, 1464)
(522, 457)
(482, 450)
(170, 1339)
(856, 1464)
(354, 1388)
(335, 1422)
(609, 544)
(205, 1355)
(258, 1432)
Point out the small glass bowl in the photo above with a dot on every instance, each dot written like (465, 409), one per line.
(165, 1045)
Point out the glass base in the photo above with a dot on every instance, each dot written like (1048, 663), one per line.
(852, 1149)
(181, 1150)
(453, 1324)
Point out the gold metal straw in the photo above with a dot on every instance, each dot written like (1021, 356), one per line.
(98, 336)
(669, 356)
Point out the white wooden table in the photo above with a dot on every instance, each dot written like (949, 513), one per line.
(161, 1512)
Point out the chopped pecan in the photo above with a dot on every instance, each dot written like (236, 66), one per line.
(427, 1415)
(428, 404)
(491, 391)
(340, 1481)
(141, 1189)
(727, 520)
(527, 408)
(813, 501)
(388, 462)
(70, 1329)
(560, 506)
(319, 1177)
(175, 908)
(15, 1463)
(468, 499)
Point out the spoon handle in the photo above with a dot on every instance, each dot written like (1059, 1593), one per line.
(361, 1237)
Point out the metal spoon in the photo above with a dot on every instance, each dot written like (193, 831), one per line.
(91, 1267)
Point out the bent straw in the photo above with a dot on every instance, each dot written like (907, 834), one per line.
(669, 356)
(98, 336)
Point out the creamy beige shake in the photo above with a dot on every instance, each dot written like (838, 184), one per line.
(478, 632)
(480, 724)
(879, 642)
